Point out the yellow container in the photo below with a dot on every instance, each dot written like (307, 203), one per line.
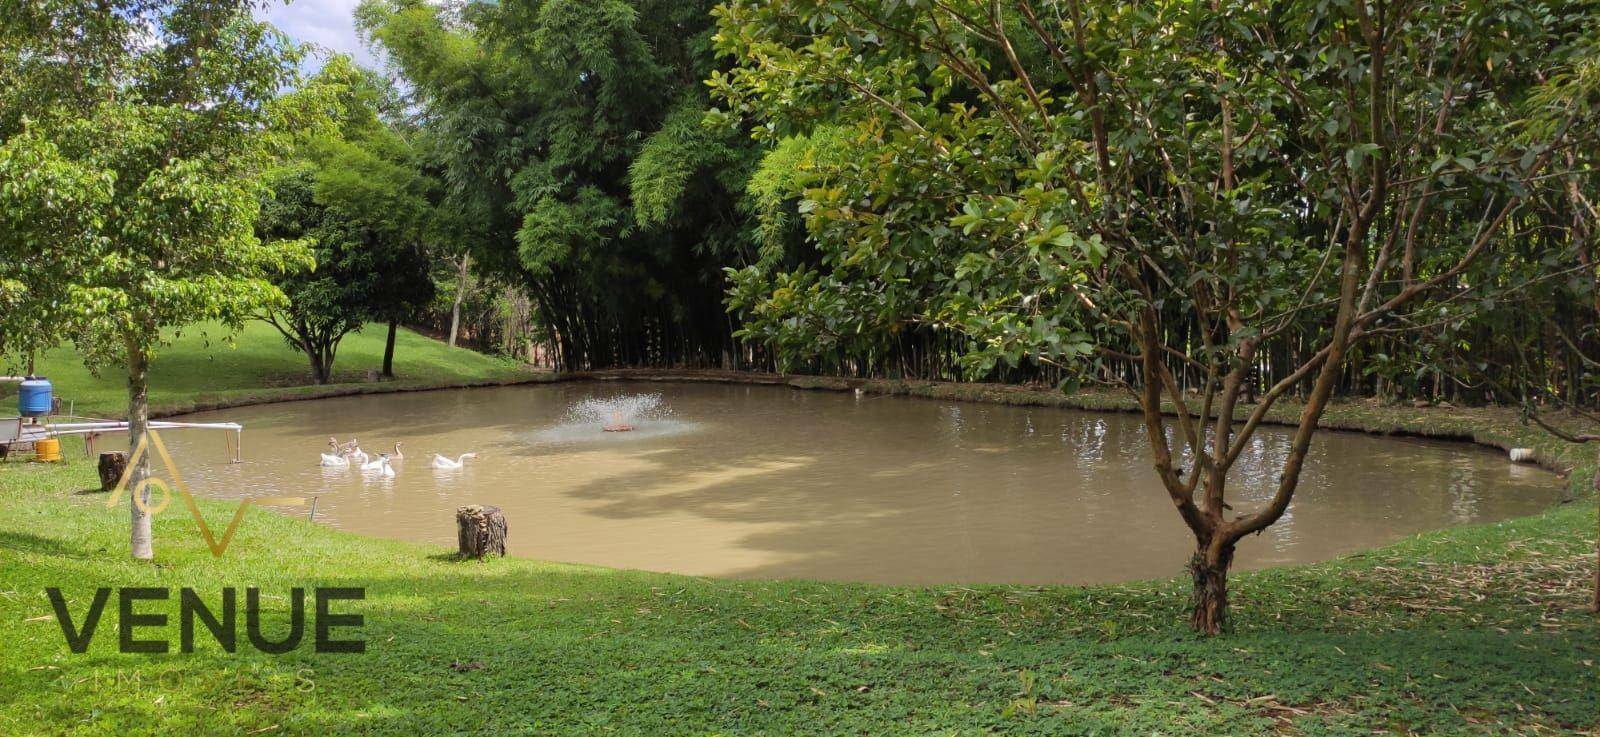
(47, 449)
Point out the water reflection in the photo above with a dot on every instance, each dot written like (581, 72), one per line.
(770, 482)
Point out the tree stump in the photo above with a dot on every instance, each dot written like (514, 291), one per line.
(480, 530)
(112, 466)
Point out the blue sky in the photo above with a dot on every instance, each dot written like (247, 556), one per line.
(326, 23)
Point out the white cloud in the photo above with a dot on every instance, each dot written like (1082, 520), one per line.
(326, 23)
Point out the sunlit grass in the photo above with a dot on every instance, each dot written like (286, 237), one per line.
(206, 366)
(1477, 629)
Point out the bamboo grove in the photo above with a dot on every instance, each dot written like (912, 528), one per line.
(665, 181)
(569, 137)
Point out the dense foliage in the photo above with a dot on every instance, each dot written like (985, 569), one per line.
(939, 152)
(596, 206)
(132, 142)
(1201, 203)
(569, 136)
(358, 194)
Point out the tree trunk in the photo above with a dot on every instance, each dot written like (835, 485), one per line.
(480, 530)
(388, 351)
(1596, 603)
(321, 370)
(461, 293)
(1210, 600)
(139, 538)
(112, 466)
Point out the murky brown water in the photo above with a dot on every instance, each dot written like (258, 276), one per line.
(754, 481)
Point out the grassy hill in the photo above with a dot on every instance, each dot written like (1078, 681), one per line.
(206, 366)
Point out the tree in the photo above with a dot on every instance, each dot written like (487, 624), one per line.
(569, 131)
(1156, 196)
(459, 294)
(358, 192)
(130, 159)
(326, 304)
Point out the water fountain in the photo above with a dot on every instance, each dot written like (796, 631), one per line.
(616, 414)
(638, 416)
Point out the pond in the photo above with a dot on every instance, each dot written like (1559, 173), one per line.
(771, 482)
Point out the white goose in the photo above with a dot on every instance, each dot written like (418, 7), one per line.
(355, 452)
(336, 458)
(381, 466)
(440, 461)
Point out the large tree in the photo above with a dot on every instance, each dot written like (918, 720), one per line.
(358, 192)
(1158, 195)
(569, 131)
(132, 144)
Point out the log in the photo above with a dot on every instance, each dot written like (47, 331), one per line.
(112, 466)
(480, 530)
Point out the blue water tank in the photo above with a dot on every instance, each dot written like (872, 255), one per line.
(35, 399)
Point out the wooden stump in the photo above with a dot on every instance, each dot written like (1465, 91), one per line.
(112, 466)
(480, 530)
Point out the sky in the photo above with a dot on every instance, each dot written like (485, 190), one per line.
(325, 23)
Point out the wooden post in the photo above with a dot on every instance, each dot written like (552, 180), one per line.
(112, 466)
(480, 530)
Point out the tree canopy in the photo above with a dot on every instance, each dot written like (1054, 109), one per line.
(131, 151)
(358, 192)
(570, 132)
(1223, 208)
(1166, 196)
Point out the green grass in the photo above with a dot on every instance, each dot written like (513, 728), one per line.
(1471, 630)
(1477, 630)
(206, 367)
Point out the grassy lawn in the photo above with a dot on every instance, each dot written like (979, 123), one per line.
(1471, 630)
(1474, 630)
(204, 368)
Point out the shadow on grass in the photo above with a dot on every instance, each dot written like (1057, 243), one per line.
(592, 651)
(567, 651)
(29, 542)
(456, 557)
